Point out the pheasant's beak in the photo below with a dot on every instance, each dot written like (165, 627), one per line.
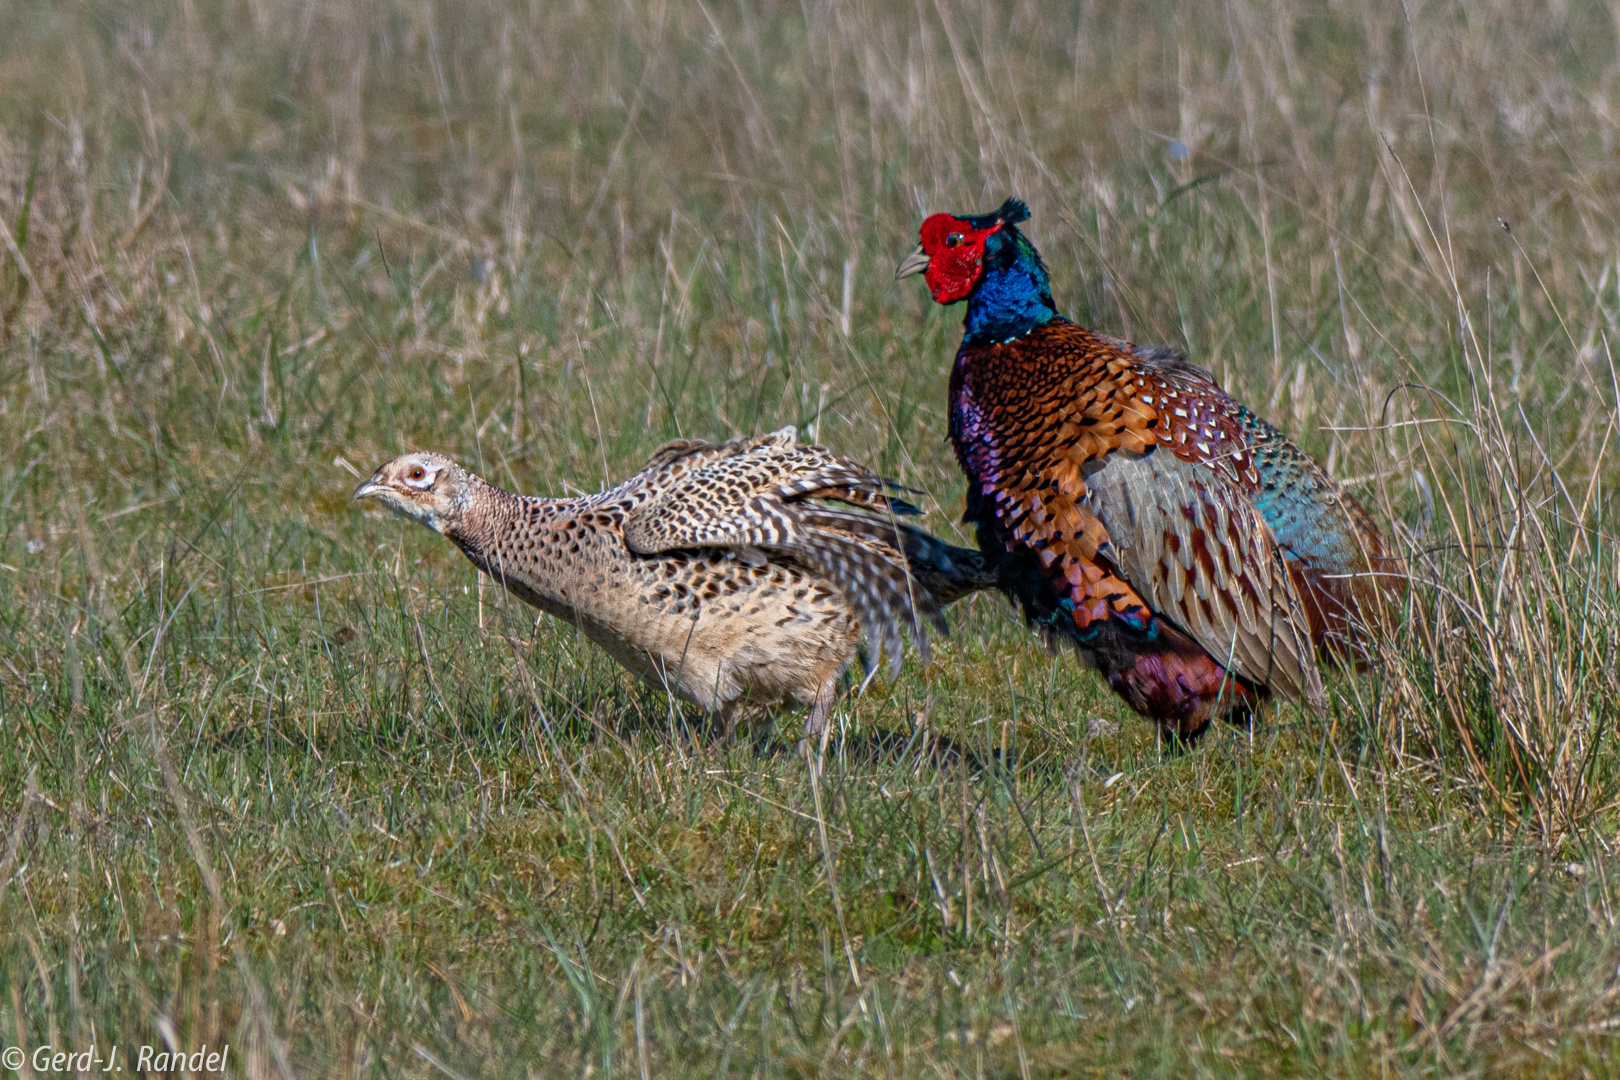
(915, 263)
(367, 489)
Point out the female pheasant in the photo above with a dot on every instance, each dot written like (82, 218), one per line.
(1185, 546)
(732, 576)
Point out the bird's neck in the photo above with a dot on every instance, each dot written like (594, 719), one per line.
(497, 534)
(1013, 296)
(491, 515)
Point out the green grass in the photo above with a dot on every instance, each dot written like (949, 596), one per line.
(277, 774)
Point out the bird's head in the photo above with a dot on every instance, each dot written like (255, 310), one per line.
(422, 486)
(954, 250)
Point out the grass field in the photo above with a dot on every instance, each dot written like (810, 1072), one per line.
(280, 775)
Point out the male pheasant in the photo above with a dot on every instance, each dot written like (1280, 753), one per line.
(734, 576)
(1185, 546)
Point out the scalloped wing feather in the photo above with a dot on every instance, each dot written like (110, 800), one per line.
(759, 494)
(1202, 557)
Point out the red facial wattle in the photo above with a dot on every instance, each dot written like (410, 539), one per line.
(955, 251)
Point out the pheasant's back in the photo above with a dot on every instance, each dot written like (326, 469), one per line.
(705, 493)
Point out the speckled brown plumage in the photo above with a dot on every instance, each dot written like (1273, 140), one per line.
(734, 575)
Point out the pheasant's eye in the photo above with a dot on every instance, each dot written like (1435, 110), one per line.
(416, 473)
(954, 240)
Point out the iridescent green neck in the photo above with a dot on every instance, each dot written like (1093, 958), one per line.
(1013, 296)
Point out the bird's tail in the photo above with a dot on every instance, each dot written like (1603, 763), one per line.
(896, 576)
(946, 571)
(873, 577)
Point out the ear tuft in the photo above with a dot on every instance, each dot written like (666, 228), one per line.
(1012, 212)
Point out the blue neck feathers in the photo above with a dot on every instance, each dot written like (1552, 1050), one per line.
(1013, 296)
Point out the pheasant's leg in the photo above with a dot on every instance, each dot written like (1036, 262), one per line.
(1241, 715)
(821, 708)
(727, 717)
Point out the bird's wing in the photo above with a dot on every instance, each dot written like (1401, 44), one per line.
(1332, 548)
(1338, 557)
(1200, 555)
(676, 450)
(761, 495)
(746, 493)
